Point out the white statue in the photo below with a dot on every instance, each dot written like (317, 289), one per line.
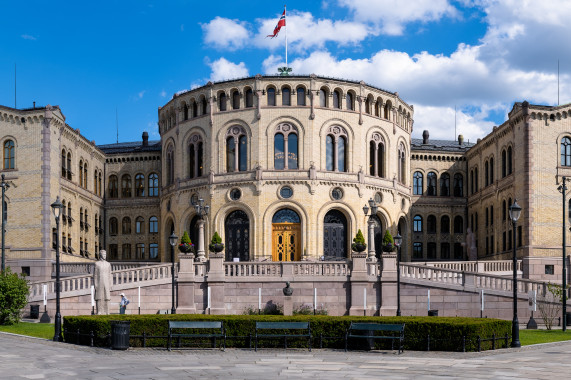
(102, 283)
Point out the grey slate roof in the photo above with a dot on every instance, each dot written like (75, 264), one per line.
(441, 145)
(131, 147)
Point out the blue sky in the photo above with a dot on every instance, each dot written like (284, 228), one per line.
(92, 58)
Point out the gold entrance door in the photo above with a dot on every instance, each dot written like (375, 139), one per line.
(286, 242)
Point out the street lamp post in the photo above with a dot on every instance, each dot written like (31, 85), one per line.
(172, 240)
(56, 208)
(201, 212)
(563, 190)
(4, 185)
(515, 212)
(398, 242)
(371, 223)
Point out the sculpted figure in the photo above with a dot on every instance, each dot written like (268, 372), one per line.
(102, 283)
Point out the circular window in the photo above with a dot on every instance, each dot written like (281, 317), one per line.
(337, 193)
(378, 198)
(286, 192)
(235, 194)
(194, 199)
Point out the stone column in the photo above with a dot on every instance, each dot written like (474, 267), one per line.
(200, 251)
(186, 303)
(359, 282)
(372, 256)
(389, 284)
(215, 281)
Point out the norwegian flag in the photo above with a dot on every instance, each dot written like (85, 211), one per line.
(281, 22)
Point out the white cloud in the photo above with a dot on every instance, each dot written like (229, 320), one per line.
(163, 94)
(223, 69)
(392, 16)
(224, 33)
(28, 37)
(305, 32)
(141, 94)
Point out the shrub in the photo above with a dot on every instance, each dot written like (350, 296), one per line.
(269, 308)
(359, 239)
(13, 296)
(185, 244)
(216, 239)
(308, 310)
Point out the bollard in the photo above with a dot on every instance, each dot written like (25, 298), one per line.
(428, 342)
(463, 343)
(479, 344)
(91, 337)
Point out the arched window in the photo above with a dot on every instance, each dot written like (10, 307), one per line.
(504, 166)
(491, 171)
(80, 172)
(153, 225)
(335, 149)
(170, 165)
(126, 186)
(140, 185)
(471, 181)
(63, 169)
(458, 225)
(336, 98)
(195, 156)
(113, 187)
(322, 98)
(486, 174)
(153, 185)
(286, 96)
(99, 183)
(271, 96)
(69, 166)
(388, 108)
(402, 163)
(95, 182)
(417, 223)
(279, 151)
(509, 160)
(194, 107)
(565, 151)
(431, 224)
(300, 96)
(126, 225)
(378, 107)
(185, 111)
(249, 98)
(417, 183)
(368, 106)
(222, 101)
(476, 187)
(9, 154)
(377, 155)
(236, 149)
(431, 183)
(350, 101)
(235, 100)
(140, 225)
(85, 177)
(504, 210)
(285, 147)
(458, 185)
(204, 106)
(81, 224)
(113, 227)
(445, 185)
(445, 224)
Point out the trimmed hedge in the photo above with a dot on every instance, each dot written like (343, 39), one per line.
(437, 333)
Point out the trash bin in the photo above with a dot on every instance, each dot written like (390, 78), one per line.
(34, 311)
(120, 334)
(433, 313)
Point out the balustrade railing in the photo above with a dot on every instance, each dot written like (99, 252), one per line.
(481, 266)
(277, 269)
(86, 268)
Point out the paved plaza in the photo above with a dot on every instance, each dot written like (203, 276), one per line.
(30, 358)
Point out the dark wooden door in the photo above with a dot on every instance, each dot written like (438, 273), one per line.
(237, 234)
(334, 236)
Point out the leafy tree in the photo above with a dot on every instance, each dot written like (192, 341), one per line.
(13, 296)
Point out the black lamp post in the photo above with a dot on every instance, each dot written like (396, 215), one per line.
(56, 208)
(172, 240)
(563, 190)
(4, 185)
(515, 212)
(398, 242)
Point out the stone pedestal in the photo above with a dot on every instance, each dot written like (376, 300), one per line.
(186, 303)
(359, 284)
(389, 284)
(288, 305)
(215, 280)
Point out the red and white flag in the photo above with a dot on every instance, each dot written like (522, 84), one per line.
(281, 22)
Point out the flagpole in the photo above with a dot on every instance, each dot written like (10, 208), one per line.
(285, 32)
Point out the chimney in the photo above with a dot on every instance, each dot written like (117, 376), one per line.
(425, 136)
(145, 139)
(460, 139)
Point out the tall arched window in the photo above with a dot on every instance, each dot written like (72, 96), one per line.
(417, 223)
(336, 99)
(113, 187)
(431, 224)
(126, 225)
(401, 163)
(486, 174)
(510, 160)
(286, 96)
(285, 147)
(458, 185)
(445, 224)
(140, 185)
(153, 185)
(300, 96)
(126, 186)
(195, 156)
(445, 185)
(235, 100)
(236, 149)
(95, 182)
(153, 225)
(63, 169)
(194, 107)
(85, 177)
(458, 225)
(322, 98)
(80, 172)
(431, 183)
(69, 166)
(170, 165)
(140, 225)
(417, 183)
(222, 101)
(335, 149)
(565, 151)
(9, 154)
(491, 171)
(350, 102)
(204, 106)
(271, 96)
(471, 181)
(249, 98)
(113, 226)
(476, 187)
(504, 166)
(185, 111)
(377, 155)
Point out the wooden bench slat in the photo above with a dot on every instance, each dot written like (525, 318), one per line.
(194, 325)
(282, 325)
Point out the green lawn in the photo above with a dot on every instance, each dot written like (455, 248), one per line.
(527, 337)
(39, 330)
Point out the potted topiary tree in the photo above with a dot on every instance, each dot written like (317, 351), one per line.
(388, 242)
(186, 245)
(359, 242)
(216, 243)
